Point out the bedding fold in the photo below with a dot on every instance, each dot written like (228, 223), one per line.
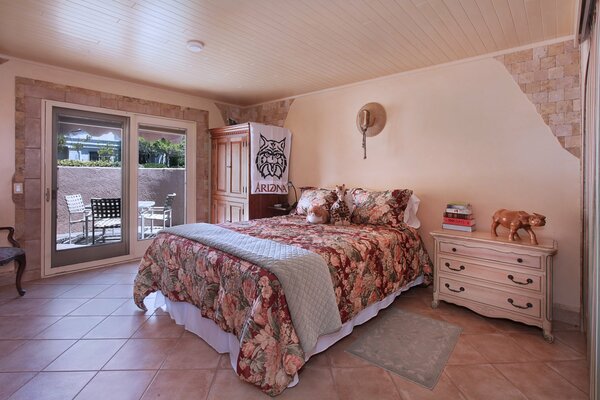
(304, 276)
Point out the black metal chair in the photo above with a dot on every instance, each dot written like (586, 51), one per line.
(16, 254)
(106, 213)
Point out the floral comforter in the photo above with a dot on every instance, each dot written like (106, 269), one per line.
(366, 263)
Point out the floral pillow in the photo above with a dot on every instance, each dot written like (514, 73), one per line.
(380, 207)
(314, 197)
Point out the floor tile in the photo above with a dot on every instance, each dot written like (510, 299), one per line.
(159, 327)
(8, 346)
(470, 322)
(576, 372)
(319, 360)
(34, 355)
(117, 292)
(564, 326)
(112, 278)
(141, 354)
(478, 382)
(60, 307)
(506, 325)
(117, 385)
(86, 355)
(364, 383)
(225, 362)
(543, 350)
(499, 348)
(539, 382)
(24, 327)
(227, 385)
(70, 328)
(21, 306)
(574, 339)
(131, 268)
(464, 353)
(180, 385)
(10, 382)
(46, 291)
(339, 357)
(412, 304)
(99, 307)
(116, 327)
(444, 389)
(315, 383)
(53, 386)
(84, 292)
(192, 353)
(129, 308)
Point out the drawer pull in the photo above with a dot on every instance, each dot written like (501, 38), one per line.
(461, 268)
(528, 282)
(512, 303)
(519, 260)
(461, 289)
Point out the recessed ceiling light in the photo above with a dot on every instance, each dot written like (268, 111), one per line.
(195, 46)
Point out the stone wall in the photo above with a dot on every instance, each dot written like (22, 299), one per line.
(29, 94)
(273, 113)
(153, 185)
(549, 76)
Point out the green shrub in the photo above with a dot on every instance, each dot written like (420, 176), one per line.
(79, 163)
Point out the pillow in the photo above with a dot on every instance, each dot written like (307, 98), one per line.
(311, 196)
(410, 214)
(380, 207)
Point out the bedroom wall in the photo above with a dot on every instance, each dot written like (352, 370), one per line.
(459, 132)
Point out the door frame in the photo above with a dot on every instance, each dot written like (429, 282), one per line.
(135, 249)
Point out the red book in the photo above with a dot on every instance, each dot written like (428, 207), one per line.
(459, 221)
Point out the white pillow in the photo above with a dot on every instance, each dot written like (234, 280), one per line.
(410, 213)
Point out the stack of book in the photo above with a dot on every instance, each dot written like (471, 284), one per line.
(459, 217)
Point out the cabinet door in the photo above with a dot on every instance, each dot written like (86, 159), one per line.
(236, 167)
(220, 211)
(219, 164)
(236, 211)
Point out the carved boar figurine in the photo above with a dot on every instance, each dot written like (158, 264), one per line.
(515, 220)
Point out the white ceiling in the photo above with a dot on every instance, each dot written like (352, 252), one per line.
(261, 50)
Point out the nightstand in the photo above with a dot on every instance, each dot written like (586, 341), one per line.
(495, 277)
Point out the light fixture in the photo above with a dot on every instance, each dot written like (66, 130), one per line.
(195, 46)
(370, 121)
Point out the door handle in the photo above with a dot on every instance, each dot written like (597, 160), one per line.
(47, 195)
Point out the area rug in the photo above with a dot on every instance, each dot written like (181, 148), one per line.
(410, 345)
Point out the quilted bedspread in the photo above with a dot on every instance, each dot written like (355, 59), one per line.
(366, 263)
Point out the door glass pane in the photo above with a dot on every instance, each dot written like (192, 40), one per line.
(161, 179)
(87, 187)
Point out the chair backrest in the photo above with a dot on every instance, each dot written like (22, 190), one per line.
(169, 201)
(106, 208)
(75, 203)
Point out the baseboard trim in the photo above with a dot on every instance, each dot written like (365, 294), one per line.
(567, 314)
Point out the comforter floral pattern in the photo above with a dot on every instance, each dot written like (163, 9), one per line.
(366, 263)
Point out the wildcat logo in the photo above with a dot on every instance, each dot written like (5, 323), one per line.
(270, 159)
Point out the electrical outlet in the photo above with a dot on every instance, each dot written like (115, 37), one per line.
(18, 188)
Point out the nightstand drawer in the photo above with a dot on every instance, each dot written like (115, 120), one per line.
(487, 253)
(526, 305)
(521, 280)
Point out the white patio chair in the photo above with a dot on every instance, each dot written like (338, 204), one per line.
(77, 213)
(163, 214)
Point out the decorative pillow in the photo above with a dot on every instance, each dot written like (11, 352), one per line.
(314, 197)
(380, 207)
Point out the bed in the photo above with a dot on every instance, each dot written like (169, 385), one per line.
(241, 308)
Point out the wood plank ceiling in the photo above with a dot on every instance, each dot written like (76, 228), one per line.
(262, 50)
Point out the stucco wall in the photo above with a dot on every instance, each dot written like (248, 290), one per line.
(153, 185)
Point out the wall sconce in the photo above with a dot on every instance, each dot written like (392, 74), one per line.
(370, 122)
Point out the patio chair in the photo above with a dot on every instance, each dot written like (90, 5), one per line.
(163, 214)
(16, 254)
(78, 211)
(106, 213)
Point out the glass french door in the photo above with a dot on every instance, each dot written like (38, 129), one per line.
(113, 180)
(88, 188)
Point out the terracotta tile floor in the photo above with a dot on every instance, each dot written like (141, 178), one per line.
(79, 336)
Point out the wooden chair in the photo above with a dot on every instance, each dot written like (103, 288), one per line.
(106, 213)
(16, 254)
(78, 211)
(163, 214)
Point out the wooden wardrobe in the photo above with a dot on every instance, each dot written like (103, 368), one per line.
(230, 181)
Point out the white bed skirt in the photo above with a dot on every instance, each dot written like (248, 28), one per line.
(190, 317)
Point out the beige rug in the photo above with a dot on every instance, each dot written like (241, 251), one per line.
(410, 345)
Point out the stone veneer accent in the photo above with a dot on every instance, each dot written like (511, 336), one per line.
(549, 76)
(273, 113)
(3, 60)
(29, 94)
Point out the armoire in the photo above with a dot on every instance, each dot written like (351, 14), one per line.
(231, 200)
